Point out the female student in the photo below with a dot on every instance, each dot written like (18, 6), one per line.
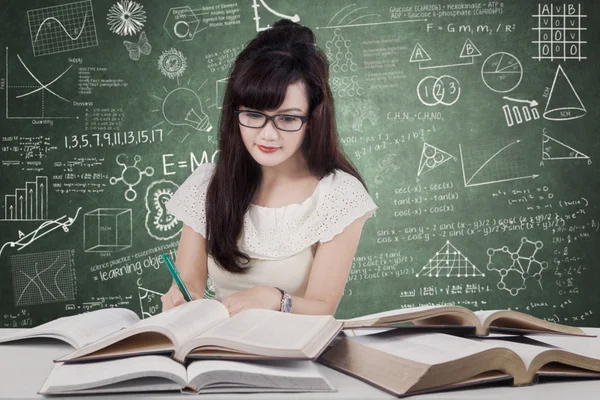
(275, 222)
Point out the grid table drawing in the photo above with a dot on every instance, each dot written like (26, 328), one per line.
(559, 32)
(42, 278)
(62, 28)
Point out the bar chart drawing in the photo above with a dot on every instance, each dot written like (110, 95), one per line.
(28, 203)
(518, 114)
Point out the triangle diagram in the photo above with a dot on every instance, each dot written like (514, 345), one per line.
(432, 157)
(553, 149)
(469, 49)
(563, 102)
(448, 261)
(419, 54)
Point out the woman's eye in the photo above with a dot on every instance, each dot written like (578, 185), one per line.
(287, 118)
(254, 115)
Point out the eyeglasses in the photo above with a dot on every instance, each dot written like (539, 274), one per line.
(284, 122)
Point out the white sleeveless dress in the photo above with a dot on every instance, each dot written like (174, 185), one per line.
(282, 241)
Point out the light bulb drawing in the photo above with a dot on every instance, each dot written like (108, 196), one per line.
(182, 106)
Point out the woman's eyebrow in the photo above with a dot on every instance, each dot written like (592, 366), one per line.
(289, 109)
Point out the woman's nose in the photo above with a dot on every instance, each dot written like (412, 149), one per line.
(269, 131)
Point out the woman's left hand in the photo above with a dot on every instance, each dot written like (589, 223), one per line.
(265, 297)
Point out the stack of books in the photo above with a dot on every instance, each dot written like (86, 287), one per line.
(198, 348)
(195, 347)
(449, 347)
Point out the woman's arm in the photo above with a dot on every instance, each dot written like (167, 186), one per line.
(329, 272)
(326, 282)
(191, 263)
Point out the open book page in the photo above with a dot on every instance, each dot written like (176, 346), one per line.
(427, 348)
(71, 377)
(588, 346)
(81, 329)
(520, 321)
(526, 351)
(191, 319)
(420, 316)
(569, 356)
(257, 329)
(282, 374)
(401, 314)
(162, 332)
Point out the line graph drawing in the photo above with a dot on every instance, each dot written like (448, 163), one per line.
(563, 102)
(553, 149)
(62, 28)
(493, 162)
(63, 222)
(348, 20)
(21, 97)
(29, 203)
(449, 261)
(469, 51)
(256, 6)
(42, 278)
(431, 158)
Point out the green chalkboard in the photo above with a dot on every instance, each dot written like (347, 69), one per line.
(473, 124)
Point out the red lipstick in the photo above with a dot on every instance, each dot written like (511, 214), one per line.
(266, 149)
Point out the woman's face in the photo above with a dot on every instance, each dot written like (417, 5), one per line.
(270, 146)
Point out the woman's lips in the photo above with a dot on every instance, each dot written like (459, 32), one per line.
(266, 149)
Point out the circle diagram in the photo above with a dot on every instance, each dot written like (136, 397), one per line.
(501, 72)
(438, 90)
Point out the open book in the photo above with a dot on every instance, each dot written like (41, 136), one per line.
(203, 329)
(158, 373)
(80, 329)
(409, 363)
(481, 322)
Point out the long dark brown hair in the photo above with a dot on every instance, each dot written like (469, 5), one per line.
(260, 76)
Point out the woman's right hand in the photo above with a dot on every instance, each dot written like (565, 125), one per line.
(174, 297)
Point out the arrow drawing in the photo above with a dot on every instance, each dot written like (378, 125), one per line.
(532, 103)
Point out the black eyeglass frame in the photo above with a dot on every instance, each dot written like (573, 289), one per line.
(270, 118)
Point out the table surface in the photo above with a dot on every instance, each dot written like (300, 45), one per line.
(24, 366)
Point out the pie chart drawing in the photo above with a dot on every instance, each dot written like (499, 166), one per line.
(501, 72)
